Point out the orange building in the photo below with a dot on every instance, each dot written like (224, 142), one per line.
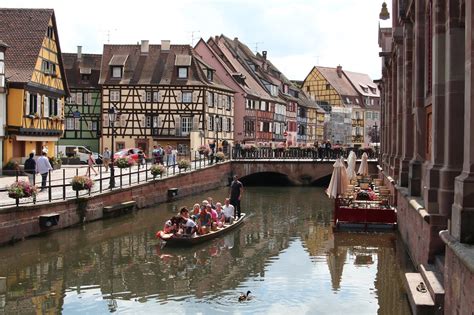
(35, 82)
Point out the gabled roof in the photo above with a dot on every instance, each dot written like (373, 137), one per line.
(24, 31)
(360, 80)
(87, 64)
(340, 83)
(157, 67)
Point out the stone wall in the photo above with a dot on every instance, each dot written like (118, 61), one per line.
(19, 223)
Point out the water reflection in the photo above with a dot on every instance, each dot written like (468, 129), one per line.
(286, 254)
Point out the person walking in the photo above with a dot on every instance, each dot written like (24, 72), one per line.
(106, 156)
(236, 190)
(90, 165)
(43, 167)
(141, 158)
(174, 155)
(30, 168)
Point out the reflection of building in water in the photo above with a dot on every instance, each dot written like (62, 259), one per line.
(367, 248)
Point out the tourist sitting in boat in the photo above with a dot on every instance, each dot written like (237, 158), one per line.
(189, 226)
(172, 225)
(228, 210)
(204, 204)
(203, 220)
(196, 209)
(220, 215)
(213, 213)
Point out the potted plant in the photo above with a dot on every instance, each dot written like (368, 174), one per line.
(220, 156)
(184, 164)
(157, 169)
(124, 162)
(22, 189)
(82, 183)
(204, 150)
(55, 162)
(12, 168)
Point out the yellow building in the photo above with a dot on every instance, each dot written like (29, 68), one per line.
(35, 81)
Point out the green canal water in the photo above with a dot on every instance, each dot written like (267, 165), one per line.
(286, 254)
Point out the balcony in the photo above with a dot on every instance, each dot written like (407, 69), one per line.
(358, 122)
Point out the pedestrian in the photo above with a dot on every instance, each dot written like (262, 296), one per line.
(174, 155)
(168, 150)
(30, 168)
(328, 149)
(237, 149)
(141, 158)
(90, 165)
(236, 190)
(43, 167)
(212, 147)
(106, 156)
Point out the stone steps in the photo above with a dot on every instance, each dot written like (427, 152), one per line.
(425, 291)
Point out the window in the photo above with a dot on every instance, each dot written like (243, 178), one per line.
(186, 125)
(357, 101)
(33, 104)
(373, 90)
(263, 105)
(368, 115)
(86, 98)
(266, 126)
(229, 124)
(187, 97)
(93, 126)
(69, 123)
(371, 101)
(375, 115)
(116, 72)
(210, 99)
(120, 145)
(114, 96)
(347, 100)
(182, 72)
(156, 96)
(53, 107)
(148, 97)
(219, 101)
(229, 103)
(50, 32)
(210, 123)
(85, 77)
(328, 86)
(79, 98)
(210, 75)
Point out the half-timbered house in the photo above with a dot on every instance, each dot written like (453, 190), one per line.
(36, 82)
(82, 111)
(3, 97)
(164, 94)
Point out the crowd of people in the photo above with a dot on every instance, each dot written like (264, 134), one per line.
(208, 215)
(164, 155)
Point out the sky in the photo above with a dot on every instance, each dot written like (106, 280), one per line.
(297, 34)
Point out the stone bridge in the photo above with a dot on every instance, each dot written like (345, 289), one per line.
(298, 172)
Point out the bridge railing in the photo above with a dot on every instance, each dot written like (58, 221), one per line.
(297, 153)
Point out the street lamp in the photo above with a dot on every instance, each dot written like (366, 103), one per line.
(112, 118)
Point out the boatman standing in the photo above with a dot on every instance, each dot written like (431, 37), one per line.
(236, 190)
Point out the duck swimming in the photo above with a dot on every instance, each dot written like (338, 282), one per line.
(244, 297)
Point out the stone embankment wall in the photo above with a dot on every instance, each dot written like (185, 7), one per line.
(19, 223)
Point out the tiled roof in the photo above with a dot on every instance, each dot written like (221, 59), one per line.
(361, 79)
(87, 64)
(157, 67)
(340, 84)
(23, 30)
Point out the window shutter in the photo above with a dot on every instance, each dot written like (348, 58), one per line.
(143, 96)
(195, 96)
(77, 124)
(89, 98)
(195, 122)
(142, 121)
(60, 107)
(106, 120)
(73, 98)
(46, 107)
(27, 107)
(270, 127)
(123, 120)
(261, 125)
(177, 125)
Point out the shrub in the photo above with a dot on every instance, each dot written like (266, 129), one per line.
(82, 183)
(184, 164)
(157, 169)
(55, 161)
(124, 162)
(22, 189)
(11, 166)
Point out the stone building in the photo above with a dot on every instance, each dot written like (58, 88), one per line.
(428, 142)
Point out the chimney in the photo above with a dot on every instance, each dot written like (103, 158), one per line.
(79, 52)
(165, 45)
(144, 47)
(264, 53)
(339, 71)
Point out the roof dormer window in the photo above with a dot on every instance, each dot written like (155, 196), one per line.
(117, 72)
(182, 72)
(50, 32)
(210, 75)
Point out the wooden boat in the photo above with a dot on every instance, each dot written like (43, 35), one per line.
(174, 240)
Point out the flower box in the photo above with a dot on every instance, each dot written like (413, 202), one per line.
(82, 183)
(124, 162)
(184, 164)
(157, 169)
(22, 189)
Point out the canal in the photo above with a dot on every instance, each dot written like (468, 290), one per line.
(286, 254)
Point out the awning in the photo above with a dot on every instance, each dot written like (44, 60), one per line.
(33, 138)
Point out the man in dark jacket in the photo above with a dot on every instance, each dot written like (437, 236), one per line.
(30, 168)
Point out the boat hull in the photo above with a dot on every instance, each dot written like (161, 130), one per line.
(172, 240)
